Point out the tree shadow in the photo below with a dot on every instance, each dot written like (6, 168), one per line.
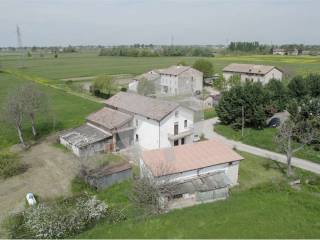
(275, 166)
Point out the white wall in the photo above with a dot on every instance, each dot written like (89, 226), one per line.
(264, 79)
(230, 170)
(195, 77)
(167, 126)
(274, 73)
(188, 81)
(171, 82)
(133, 86)
(73, 148)
(148, 131)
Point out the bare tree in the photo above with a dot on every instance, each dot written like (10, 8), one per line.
(34, 102)
(289, 131)
(14, 112)
(149, 194)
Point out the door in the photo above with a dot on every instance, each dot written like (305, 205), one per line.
(182, 141)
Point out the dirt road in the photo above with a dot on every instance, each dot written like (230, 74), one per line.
(49, 175)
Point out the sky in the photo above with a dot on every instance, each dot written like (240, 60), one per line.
(116, 22)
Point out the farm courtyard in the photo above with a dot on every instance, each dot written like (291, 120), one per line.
(261, 206)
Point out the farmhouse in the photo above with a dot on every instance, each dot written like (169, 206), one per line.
(152, 75)
(279, 51)
(157, 123)
(199, 172)
(251, 72)
(177, 80)
(128, 119)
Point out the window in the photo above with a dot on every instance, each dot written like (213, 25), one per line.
(137, 138)
(185, 123)
(137, 122)
(176, 143)
(177, 196)
(182, 141)
(176, 113)
(176, 128)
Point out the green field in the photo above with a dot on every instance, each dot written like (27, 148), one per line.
(90, 64)
(262, 206)
(264, 139)
(70, 109)
(66, 110)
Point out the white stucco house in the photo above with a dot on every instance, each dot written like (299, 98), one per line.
(251, 72)
(178, 80)
(157, 123)
(128, 119)
(200, 172)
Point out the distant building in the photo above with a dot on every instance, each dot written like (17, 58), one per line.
(179, 80)
(279, 51)
(175, 80)
(294, 52)
(251, 72)
(152, 75)
(212, 100)
(200, 172)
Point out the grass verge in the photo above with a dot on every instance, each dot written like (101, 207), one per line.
(264, 139)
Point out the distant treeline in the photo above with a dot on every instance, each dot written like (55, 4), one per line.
(256, 47)
(249, 47)
(138, 50)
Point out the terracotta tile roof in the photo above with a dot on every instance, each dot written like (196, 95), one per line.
(248, 68)
(109, 118)
(174, 70)
(145, 106)
(188, 157)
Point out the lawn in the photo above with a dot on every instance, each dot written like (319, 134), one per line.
(209, 113)
(263, 206)
(66, 110)
(264, 139)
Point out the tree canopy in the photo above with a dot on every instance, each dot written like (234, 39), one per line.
(251, 98)
(204, 66)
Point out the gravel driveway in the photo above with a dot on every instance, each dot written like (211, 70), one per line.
(49, 175)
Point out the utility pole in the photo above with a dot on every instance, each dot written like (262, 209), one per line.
(20, 48)
(172, 40)
(242, 125)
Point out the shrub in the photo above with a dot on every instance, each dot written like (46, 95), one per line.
(63, 219)
(10, 165)
(204, 66)
(15, 227)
